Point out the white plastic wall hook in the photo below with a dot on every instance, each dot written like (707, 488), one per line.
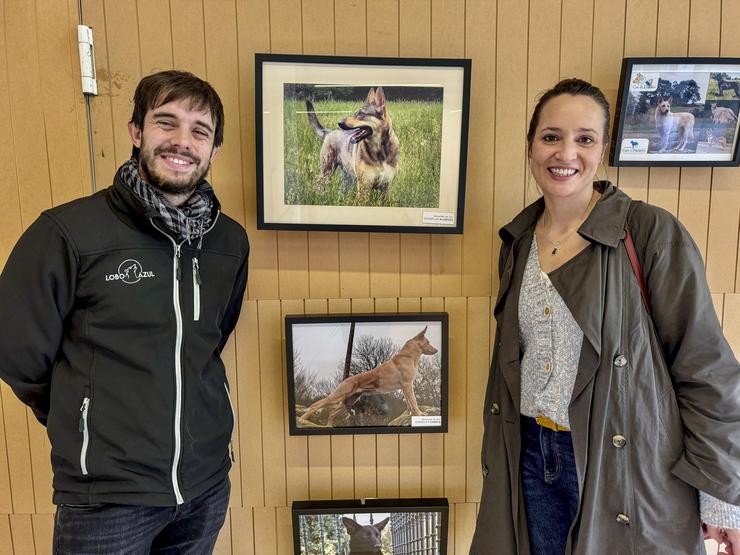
(87, 59)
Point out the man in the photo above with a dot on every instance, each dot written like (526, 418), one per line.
(118, 306)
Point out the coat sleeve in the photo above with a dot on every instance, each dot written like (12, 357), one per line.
(37, 290)
(231, 315)
(704, 370)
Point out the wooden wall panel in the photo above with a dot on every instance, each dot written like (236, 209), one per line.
(518, 49)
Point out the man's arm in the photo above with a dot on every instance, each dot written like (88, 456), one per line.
(36, 293)
(234, 307)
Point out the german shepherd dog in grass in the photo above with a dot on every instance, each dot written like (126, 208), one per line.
(365, 147)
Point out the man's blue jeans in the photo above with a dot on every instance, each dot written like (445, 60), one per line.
(549, 485)
(103, 528)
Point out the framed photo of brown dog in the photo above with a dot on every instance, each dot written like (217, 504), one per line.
(371, 526)
(367, 373)
(677, 112)
(361, 144)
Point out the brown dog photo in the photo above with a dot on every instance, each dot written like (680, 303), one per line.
(346, 374)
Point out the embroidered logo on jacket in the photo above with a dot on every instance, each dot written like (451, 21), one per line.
(129, 271)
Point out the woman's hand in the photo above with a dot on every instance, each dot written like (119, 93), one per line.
(730, 537)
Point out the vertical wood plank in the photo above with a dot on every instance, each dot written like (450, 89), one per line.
(242, 531)
(123, 73)
(222, 56)
(10, 203)
(731, 321)
(354, 264)
(155, 36)
(188, 36)
(68, 158)
(511, 115)
(249, 389)
(455, 439)
(101, 108)
(19, 457)
(693, 208)
(480, 46)
(576, 38)
(22, 533)
(26, 110)
(465, 516)
(253, 20)
(722, 241)
(409, 445)
(478, 361)
(265, 531)
(347, 17)
(271, 382)
(43, 532)
(6, 538)
(284, 531)
(6, 503)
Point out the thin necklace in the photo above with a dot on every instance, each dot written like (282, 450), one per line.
(557, 244)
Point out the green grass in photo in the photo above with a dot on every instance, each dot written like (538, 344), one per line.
(418, 126)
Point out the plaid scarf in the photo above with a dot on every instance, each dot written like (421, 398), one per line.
(188, 221)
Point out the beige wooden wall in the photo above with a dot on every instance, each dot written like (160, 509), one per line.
(518, 49)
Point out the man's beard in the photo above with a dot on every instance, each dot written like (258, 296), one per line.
(183, 186)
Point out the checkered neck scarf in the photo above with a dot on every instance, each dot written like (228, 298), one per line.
(188, 221)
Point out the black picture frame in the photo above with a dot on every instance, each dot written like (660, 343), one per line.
(677, 112)
(322, 350)
(419, 524)
(307, 182)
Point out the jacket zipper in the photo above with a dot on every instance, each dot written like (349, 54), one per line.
(233, 424)
(177, 276)
(85, 434)
(196, 290)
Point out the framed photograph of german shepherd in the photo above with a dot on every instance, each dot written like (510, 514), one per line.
(361, 144)
(677, 112)
(367, 373)
(370, 526)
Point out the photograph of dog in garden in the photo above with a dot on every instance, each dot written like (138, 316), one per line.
(370, 533)
(369, 145)
(684, 113)
(367, 374)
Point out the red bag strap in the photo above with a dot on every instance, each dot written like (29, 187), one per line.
(636, 268)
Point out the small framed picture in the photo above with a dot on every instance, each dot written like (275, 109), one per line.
(361, 144)
(367, 373)
(677, 112)
(370, 526)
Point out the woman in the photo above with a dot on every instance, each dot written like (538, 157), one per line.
(603, 417)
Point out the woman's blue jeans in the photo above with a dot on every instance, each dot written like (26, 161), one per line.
(549, 485)
(103, 528)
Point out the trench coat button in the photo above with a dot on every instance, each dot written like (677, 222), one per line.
(485, 471)
(547, 367)
(620, 361)
(547, 311)
(623, 519)
(495, 409)
(619, 441)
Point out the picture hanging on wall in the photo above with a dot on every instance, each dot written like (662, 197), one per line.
(677, 112)
(361, 144)
(367, 373)
(370, 526)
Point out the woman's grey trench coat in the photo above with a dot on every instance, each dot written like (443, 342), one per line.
(655, 410)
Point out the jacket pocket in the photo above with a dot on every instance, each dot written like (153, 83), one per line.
(196, 290)
(85, 431)
(233, 424)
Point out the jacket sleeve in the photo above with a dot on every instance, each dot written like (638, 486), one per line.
(231, 315)
(37, 289)
(704, 370)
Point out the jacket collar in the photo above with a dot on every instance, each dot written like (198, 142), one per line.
(605, 223)
(131, 210)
